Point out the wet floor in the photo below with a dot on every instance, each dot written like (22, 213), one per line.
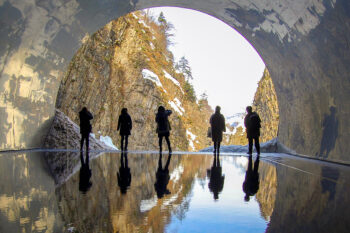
(45, 191)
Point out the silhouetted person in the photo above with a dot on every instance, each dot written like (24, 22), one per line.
(251, 182)
(330, 133)
(162, 177)
(252, 124)
(217, 122)
(163, 126)
(216, 182)
(124, 127)
(124, 175)
(84, 174)
(85, 127)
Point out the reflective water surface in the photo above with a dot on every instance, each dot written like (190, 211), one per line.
(135, 192)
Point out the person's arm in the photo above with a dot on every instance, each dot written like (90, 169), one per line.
(89, 114)
(224, 124)
(169, 112)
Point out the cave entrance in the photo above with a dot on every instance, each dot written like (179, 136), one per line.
(130, 62)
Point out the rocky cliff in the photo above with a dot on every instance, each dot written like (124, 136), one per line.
(127, 64)
(266, 105)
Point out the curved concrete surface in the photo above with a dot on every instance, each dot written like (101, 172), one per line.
(305, 45)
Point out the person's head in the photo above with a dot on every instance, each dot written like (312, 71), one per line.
(217, 109)
(161, 109)
(84, 109)
(124, 111)
(249, 109)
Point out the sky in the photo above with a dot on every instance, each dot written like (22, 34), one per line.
(224, 64)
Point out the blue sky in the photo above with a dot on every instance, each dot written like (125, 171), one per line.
(224, 64)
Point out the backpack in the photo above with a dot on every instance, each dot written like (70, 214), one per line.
(254, 121)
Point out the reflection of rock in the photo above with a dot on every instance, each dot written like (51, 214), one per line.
(65, 134)
(104, 208)
(267, 191)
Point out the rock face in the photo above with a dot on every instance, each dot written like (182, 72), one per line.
(303, 43)
(266, 105)
(127, 64)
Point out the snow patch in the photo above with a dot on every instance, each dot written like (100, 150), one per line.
(108, 141)
(168, 76)
(146, 205)
(192, 138)
(152, 45)
(235, 121)
(176, 105)
(176, 174)
(147, 74)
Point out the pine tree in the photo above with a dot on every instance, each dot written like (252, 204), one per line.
(184, 67)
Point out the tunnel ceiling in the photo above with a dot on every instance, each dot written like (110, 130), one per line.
(305, 45)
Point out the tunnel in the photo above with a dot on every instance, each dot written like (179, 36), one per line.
(304, 44)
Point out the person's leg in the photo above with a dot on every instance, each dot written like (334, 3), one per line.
(160, 143)
(82, 142)
(168, 142)
(218, 148)
(215, 143)
(250, 140)
(122, 142)
(257, 145)
(87, 143)
(126, 142)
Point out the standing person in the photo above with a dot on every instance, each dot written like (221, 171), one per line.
(163, 126)
(85, 127)
(124, 127)
(217, 122)
(252, 124)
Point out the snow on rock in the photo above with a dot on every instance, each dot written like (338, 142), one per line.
(108, 141)
(176, 174)
(236, 121)
(168, 76)
(192, 138)
(176, 105)
(147, 74)
(152, 45)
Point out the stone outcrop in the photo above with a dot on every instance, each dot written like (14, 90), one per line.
(127, 64)
(65, 134)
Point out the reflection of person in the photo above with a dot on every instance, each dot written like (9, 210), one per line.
(124, 175)
(217, 122)
(162, 177)
(163, 126)
(330, 132)
(84, 174)
(251, 182)
(124, 127)
(85, 127)
(252, 123)
(216, 182)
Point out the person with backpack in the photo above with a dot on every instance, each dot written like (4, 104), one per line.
(252, 124)
(124, 127)
(163, 126)
(217, 123)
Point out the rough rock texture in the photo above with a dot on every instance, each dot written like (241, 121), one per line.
(305, 45)
(65, 134)
(266, 105)
(127, 64)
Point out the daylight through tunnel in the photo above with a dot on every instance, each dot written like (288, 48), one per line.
(304, 45)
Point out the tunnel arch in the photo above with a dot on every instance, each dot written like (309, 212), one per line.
(304, 44)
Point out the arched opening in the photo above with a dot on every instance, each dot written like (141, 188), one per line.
(303, 44)
(130, 63)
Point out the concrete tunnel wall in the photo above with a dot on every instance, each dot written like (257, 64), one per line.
(305, 45)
